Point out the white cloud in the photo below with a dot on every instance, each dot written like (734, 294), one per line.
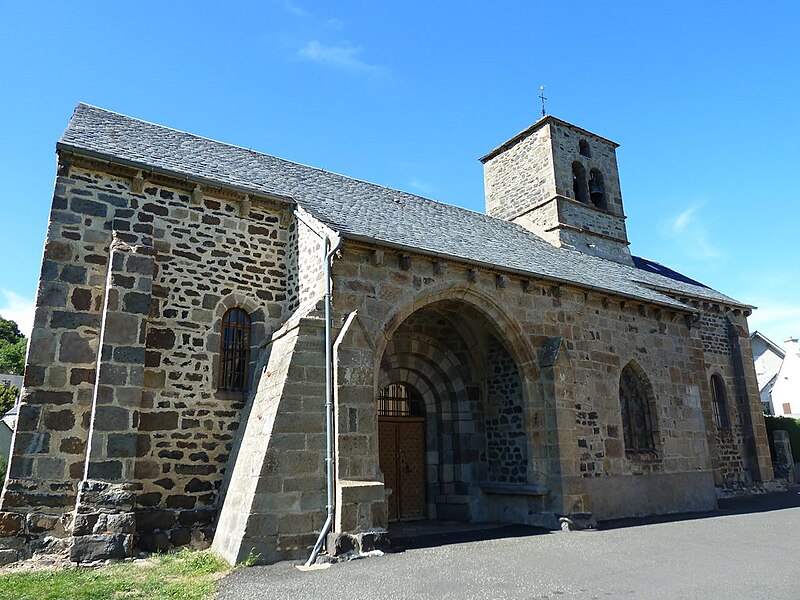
(688, 230)
(292, 7)
(684, 219)
(776, 321)
(344, 56)
(422, 187)
(19, 309)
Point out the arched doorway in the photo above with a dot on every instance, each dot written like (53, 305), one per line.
(466, 418)
(401, 431)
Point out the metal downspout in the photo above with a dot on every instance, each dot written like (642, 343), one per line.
(328, 252)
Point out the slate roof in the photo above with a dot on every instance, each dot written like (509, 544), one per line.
(369, 212)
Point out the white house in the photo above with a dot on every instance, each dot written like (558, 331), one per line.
(785, 393)
(768, 357)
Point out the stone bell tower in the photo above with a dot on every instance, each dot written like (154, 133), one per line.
(562, 183)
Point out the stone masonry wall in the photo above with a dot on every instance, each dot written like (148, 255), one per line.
(601, 335)
(565, 142)
(531, 183)
(520, 177)
(728, 444)
(506, 442)
(155, 395)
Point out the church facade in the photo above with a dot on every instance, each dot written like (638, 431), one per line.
(204, 309)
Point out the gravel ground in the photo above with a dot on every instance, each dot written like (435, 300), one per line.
(741, 551)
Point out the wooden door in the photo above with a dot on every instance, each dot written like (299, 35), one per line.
(402, 460)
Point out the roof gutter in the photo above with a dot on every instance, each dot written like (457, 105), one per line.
(330, 246)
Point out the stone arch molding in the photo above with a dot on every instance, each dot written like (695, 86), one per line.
(258, 332)
(510, 334)
(424, 356)
(509, 331)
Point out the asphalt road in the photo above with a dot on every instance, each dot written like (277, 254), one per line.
(746, 550)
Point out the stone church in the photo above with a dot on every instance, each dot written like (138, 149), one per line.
(237, 350)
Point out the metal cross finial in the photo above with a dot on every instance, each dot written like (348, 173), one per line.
(542, 96)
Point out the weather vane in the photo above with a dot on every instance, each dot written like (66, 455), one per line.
(542, 96)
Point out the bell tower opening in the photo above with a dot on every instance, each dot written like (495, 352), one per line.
(597, 190)
(579, 189)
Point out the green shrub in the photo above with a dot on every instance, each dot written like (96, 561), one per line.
(787, 424)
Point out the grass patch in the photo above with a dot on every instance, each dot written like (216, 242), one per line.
(183, 575)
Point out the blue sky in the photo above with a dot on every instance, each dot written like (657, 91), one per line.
(702, 97)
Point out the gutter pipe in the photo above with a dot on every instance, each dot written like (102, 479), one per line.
(329, 249)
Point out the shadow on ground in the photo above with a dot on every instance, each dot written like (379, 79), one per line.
(430, 534)
(728, 506)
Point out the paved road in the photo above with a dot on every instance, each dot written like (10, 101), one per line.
(747, 550)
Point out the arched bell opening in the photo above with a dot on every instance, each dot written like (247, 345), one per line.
(580, 191)
(597, 189)
(448, 380)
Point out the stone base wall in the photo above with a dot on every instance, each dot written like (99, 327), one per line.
(658, 494)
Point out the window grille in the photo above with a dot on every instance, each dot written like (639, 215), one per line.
(395, 401)
(234, 351)
(720, 403)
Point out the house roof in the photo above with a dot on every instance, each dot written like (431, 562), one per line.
(770, 344)
(368, 212)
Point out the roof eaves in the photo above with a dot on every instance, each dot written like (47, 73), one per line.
(682, 292)
(667, 302)
(149, 168)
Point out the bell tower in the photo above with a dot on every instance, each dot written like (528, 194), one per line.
(562, 183)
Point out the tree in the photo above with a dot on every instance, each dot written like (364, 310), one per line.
(13, 346)
(8, 397)
(9, 331)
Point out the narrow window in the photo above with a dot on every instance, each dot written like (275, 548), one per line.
(583, 148)
(597, 189)
(720, 402)
(637, 423)
(579, 188)
(234, 354)
(787, 408)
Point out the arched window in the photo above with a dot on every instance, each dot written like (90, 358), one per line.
(234, 352)
(597, 189)
(583, 148)
(579, 188)
(637, 423)
(720, 402)
(396, 400)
